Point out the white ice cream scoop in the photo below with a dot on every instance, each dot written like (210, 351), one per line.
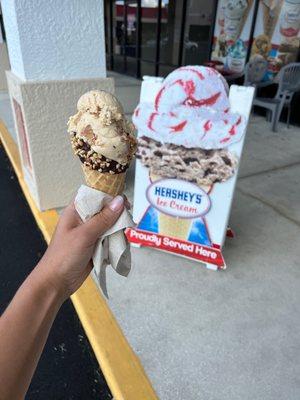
(191, 109)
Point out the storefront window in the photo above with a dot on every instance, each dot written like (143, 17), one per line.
(131, 44)
(149, 13)
(171, 14)
(131, 22)
(153, 37)
(147, 68)
(118, 11)
(198, 31)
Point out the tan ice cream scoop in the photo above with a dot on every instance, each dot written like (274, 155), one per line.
(100, 122)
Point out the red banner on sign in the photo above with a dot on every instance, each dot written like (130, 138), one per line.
(191, 250)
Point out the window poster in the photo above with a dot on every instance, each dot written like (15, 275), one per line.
(232, 33)
(276, 34)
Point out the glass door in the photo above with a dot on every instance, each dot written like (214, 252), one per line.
(149, 35)
(131, 36)
(118, 11)
(124, 20)
(171, 26)
(153, 37)
(198, 31)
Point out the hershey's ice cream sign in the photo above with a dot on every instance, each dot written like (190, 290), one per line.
(191, 131)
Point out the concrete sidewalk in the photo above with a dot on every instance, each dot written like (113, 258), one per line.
(232, 334)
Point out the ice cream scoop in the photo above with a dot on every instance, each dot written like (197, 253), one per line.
(101, 124)
(191, 109)
(103, 140)
(203, 167)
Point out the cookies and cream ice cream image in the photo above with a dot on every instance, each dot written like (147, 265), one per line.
(184, 139)
(103, 139)
(203, 167)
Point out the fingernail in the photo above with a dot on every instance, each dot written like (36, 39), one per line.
(116, 203)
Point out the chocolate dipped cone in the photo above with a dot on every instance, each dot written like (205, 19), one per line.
(103, 140)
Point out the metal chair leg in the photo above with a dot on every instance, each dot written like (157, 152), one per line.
(288, 116)
(277, 114)
(275, 118)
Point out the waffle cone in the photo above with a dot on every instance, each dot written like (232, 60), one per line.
(270, 18)
(112, 184)
(172, 226)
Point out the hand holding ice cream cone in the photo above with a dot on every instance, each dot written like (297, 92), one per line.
(103, 140)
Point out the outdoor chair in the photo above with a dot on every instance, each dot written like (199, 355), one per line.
(288, 80)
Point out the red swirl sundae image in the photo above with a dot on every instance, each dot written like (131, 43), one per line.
(185, 134)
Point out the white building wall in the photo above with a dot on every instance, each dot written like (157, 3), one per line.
(4, 65)
(57, 53)
(12, 37)
(55, 39)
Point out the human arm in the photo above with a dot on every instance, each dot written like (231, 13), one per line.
(25, 325)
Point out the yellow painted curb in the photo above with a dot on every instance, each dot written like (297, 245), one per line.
(121, 367)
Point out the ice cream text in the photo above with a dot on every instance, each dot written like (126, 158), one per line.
(178, 198)
(178, 194)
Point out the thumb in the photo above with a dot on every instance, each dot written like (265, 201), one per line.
(104, 220)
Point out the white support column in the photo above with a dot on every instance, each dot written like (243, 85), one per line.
(4, 62)
(57, 52)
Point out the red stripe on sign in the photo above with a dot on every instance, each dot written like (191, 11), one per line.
(179, 127)
(209, 101)
(188, 249)
(198, 73)
(151, 119)
(158, 96)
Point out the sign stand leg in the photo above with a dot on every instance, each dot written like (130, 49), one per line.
(211, 266)
(137, 245)
(230, 233)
